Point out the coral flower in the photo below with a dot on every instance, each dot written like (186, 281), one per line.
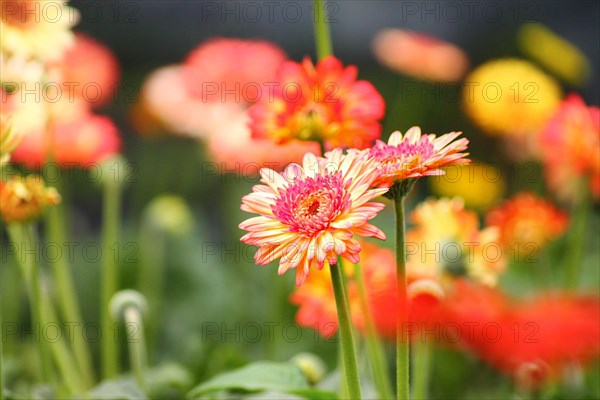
(570, 147)
(24, 199)
(232, 70)
(527, 218)
(479, 184)
(37, 29)
(420, 55)
(446, 241)
(310, 214)
(321, 103)
(416, 155)
(90, 71)
(510, 97)
(80, 142)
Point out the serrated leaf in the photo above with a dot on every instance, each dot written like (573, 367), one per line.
(256, 377)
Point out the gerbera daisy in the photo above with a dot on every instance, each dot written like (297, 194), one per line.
(310, 214)
(527, 218)
(416, 155)
(322, 103)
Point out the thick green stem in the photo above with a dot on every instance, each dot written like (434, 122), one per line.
(137, 345)
(422, 362)
(322, 34)
(375, 347)
(577, 237)
(67, 297)
(345, 333)
(110, 273)
(1, 363)
(402, 344)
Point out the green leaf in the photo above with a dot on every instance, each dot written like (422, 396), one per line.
(256, 377)
(118, 389)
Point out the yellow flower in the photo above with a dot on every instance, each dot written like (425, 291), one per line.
(446, 241)
(37, 29)
(510, 97)
(480, 185)
(541, 44)
(24, 199)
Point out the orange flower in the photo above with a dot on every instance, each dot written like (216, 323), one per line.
(310, 214)
(570, 145)
(24, 199)
(77, 142)
(527, 218)
(320, 103)
(89, 70)
(420, 55)
(232, 70)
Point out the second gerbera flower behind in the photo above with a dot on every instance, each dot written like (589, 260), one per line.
(310, 214)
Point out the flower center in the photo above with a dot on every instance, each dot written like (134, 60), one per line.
(310, 205)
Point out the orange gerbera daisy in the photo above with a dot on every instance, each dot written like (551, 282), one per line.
(527, 218)
(416, 155)
(310, 214)
(322, 103)
(25, 198)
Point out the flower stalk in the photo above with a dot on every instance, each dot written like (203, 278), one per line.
(322, 33)
(374, 345)
(109, 273)
(402, 345)
(421, 364)
(577, 237)
(345, 331)
(65, 291)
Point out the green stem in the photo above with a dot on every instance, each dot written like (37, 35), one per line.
(577, 237)
(402, 345)
(109, 274)
(151, 276)
(21, 236)
(137, 345)
(374, 345)
(1, 352)
(322, 34)
(44, 312)
(67, 297)
(422, 362)
(345, 333)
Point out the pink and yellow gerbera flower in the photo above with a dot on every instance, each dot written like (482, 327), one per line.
(415, 155)
(310, 214)
(322, 103)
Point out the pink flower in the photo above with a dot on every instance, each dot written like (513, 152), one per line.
(570, 146)
(90, 71)
(416, 155)
(321, 103)
(232, 70)
(420, 55)
(310, 214)
(78, 142)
